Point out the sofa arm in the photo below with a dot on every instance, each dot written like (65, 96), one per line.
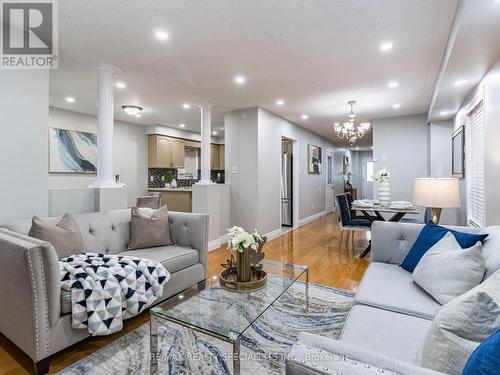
(191, 230)
(314, 354)
(29, 293)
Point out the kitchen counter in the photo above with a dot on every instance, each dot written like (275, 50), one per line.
(171, 189)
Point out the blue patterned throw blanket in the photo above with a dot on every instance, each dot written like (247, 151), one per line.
(105, 289)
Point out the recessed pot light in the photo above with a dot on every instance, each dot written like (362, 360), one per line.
(305, 117)
(70, 99)
(239, 79)
(186, 105)
(214, 133)
(393, 84)
(357, 147)
(280, 102)
(120, 85)
(161, 35)
(444, 113)
(182, 125)
(460, 82)
(396, 106)
(132, 110)
(386, 46)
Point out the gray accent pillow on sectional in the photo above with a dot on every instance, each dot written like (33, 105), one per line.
(461, 325)
(65, 236)
(447, 271)
(149, 228)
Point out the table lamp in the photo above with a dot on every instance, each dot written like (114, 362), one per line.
(437, 193)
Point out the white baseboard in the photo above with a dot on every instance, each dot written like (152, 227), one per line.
(307, 220)
(274, 234)
(215, 244)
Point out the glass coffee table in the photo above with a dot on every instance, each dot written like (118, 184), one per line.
(220, 315)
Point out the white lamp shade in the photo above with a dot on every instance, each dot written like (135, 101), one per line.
(436, 192)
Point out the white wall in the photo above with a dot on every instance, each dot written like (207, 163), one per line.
(489, 90)
(253, 145)
(24, 105)
(130, 153)
(401, 145)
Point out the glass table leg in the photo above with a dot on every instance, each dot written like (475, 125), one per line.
(236, 357)
(153, 345)
(307, 290)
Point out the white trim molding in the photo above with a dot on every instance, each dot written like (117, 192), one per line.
(307, 220)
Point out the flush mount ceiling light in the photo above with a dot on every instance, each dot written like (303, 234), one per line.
(393, 84)
(280, 102)
(396, 106)
(120, 85)
(132, 110)
(69, 99)
(348, 130)
(239, 79)
(161, 35)
(386, 46)
(186, 105)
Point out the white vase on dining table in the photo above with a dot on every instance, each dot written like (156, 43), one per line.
(384, 192)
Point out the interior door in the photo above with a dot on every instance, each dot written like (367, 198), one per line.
(330, 192)
(367, 183)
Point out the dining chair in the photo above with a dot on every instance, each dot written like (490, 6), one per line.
(348, 223)
(149, 201)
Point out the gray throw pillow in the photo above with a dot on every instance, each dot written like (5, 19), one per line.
(149, 228)
(65, 236)
(447, 271)
(461, 325)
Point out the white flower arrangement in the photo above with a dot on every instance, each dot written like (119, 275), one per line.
(239, 240)
(382, 175)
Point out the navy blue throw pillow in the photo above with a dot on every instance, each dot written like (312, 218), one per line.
(485, 360)
(429, 236)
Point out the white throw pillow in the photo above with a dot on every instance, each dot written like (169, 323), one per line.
(461, 325)
(447, 271)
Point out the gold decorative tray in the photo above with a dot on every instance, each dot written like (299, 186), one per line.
(257, 281)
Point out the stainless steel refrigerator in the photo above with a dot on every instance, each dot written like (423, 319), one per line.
(287, 189)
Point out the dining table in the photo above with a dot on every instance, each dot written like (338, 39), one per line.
(375, 213)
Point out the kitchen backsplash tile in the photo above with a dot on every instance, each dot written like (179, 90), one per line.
(155, 177)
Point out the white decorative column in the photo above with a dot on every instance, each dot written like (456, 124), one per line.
(109, 194)
(105, 125)
(206, 140)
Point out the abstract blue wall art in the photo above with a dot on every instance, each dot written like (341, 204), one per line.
(72, 151)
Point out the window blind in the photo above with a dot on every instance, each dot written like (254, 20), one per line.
(474, 137)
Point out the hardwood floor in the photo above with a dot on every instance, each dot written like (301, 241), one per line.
(316, 244)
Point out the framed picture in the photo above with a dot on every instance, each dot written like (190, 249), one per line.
(346, 165)
(72, 151)
(457, 153)
(314, 159)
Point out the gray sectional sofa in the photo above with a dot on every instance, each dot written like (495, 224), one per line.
(385, 329)
(35, 315)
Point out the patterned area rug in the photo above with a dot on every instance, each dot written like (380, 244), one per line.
(264, 345)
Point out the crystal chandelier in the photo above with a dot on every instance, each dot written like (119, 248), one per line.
(348, 130)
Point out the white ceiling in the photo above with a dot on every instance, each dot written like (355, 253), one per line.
(476, 49)
(314, 54)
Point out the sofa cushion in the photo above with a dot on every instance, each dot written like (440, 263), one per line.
(385, 332)
(173, 258)
(447, 271)
(461, 325)
(485, 359)
(491, 250)
(430, 235)
(390, 287)
(149, 228)
(65, 236)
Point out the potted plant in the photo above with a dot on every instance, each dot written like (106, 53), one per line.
(242, 243)
(168, 176)
(383, 177)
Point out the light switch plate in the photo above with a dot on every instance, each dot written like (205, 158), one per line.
(234, 170)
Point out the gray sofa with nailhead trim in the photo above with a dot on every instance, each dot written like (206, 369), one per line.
(386, 328)
(36, 316)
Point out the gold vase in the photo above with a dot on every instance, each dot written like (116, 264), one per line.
(243, 271)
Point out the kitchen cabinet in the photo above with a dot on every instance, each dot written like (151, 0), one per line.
(217, 157)
(165, 152)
